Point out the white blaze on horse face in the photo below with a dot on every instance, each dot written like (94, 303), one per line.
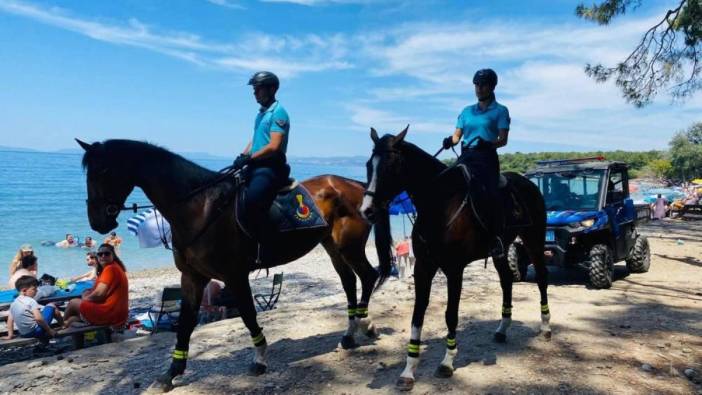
(367, 199)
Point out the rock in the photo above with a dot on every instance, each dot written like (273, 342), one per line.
(690, 373)
(36, 364)
(647, 368)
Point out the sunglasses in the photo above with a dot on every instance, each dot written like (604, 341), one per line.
(104, 253)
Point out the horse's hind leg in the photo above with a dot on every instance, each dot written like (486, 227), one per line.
(192, 285)
(360, 265)
(534, 243)
(348, 281)
(455, 283)
(506, 281)
(424, 272)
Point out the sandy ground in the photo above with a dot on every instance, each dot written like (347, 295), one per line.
(641, 336)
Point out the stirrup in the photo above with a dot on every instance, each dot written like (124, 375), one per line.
(498, 250)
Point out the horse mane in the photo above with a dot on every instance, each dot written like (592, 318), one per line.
(432, 165)
(136, 152)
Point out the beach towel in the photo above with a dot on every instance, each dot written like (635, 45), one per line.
(150, 227)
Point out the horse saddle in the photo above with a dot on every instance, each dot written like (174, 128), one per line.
(515, 214)
(293, 209)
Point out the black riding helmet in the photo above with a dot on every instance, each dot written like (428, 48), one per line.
(485, 76)
(264, 78)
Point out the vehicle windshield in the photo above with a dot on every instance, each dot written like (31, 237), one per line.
(570, 190)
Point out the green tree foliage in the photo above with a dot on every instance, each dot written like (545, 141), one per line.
(668, 56)
(661, 168)
(521, 162)
(686, 153)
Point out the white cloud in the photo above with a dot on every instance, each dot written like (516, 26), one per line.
(293, 55)
(227, 4)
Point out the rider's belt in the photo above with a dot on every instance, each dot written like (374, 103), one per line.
(482, 145)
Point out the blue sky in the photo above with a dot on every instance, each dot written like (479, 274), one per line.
(174, 73)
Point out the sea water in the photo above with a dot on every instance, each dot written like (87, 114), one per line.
(42, 198)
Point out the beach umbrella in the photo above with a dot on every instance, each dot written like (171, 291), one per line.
(697, 181)
(402, 205)
(151, 228)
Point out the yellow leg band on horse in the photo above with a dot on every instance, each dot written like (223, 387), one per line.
(544, 308)
(450, 342)
(506, 310)
(258, 339)
(178, 354)
(414, 348)
(352, 312)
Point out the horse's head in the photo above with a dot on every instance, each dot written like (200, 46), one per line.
(386, 174)
(108, 185)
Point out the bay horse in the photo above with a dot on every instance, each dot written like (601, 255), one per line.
(447, 235)
(208, 244)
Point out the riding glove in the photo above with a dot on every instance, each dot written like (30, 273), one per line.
(448, 142)
(241, 161)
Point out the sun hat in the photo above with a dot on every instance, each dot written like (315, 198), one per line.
(26, 247)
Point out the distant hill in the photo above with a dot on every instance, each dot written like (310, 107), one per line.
(16, 149)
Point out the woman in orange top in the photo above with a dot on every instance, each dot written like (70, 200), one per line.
(107, 303)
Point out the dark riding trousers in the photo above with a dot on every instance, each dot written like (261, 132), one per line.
(264, 179)
(484, 165)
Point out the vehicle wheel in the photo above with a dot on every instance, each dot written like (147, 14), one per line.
(518, 261)
(601, 266)
(640, 259)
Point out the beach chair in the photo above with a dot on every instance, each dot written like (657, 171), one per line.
(169, 306)
(267, 301)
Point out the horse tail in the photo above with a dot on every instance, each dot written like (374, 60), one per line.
(383, 245)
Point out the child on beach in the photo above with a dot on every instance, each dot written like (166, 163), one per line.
(31, 318)
(91, 261)
(28, 267)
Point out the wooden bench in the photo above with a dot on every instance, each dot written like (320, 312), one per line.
(689, 209)
(104, 334)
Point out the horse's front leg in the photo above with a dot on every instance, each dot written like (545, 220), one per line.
(506, 281)
(242, 294)
(454, 276)
(424, 272)
(192, 285)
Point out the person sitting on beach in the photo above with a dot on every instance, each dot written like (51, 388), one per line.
(92, 262)
(31, 318)
(24, 250)
(68, 243)
(89, 243)
(107, 303)
(28, 267)
(113, 240)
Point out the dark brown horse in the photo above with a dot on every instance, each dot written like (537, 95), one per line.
(208, 244)
(447, 236)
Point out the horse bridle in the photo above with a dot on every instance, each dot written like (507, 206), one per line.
(376, 151)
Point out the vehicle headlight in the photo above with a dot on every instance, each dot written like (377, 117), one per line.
(588, 222)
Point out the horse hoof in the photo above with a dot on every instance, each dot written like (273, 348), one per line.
(404, 384)
(162, 384)
(443, 372)
(257, 369)
(547, 335)
(500, 337)
(372, 333)
(348, 342)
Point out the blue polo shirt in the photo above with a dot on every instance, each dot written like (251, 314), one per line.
(273, 119)
(475, 122)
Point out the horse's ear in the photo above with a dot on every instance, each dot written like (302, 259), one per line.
(374, 136)
(84, 145)
(400, 137)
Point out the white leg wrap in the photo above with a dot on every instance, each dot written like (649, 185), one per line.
(545, 322)
(260, 354)
(449, 357)
(505, 323)
(353, 327)
(410, 368)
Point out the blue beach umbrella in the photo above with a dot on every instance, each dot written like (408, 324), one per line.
(402, 204)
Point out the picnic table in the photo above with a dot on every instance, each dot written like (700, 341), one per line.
(60, 295)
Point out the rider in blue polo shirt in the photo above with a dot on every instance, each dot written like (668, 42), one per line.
(482, 128)
(265, 153)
